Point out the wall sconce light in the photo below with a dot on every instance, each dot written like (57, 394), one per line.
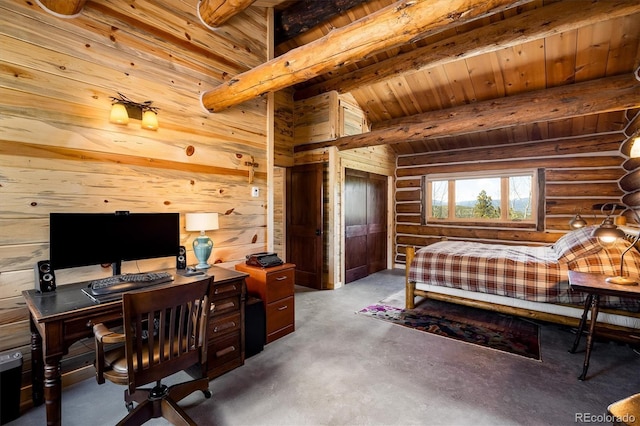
(634, 152)
(577, 222)
(123, 108)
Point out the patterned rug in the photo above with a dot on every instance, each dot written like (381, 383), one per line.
(471, 325)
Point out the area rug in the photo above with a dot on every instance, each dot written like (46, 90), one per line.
(492, 330)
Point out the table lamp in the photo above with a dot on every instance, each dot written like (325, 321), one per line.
(202, 244)
(608, 233)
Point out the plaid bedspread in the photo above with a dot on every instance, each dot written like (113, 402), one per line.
(523, 272)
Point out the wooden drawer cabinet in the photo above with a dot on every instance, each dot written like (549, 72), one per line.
(225, 350)
(275, 287)
(280, 318)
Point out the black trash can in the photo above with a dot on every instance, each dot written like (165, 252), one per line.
(255, 327)
(10, 380)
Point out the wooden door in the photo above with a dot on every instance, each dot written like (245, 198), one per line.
(355, 221)
(304, 223)
(376, 223)
(365, 203)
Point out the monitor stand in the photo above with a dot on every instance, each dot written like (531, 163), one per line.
(117, 267)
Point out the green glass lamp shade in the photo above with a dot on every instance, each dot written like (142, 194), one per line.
(202, 246)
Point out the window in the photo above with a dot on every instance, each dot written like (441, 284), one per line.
(496, 197)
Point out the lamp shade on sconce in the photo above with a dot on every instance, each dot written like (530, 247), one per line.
(202, 245)
(119, 114)
(150, 121)
(123, 109)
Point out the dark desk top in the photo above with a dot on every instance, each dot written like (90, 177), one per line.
(69, 298)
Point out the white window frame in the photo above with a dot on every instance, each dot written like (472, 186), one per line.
(504, 175)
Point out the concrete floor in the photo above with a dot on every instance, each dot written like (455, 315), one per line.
(339, 368)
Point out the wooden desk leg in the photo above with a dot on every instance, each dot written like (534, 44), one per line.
(53, 390)
(592, 330)
(583, 321)
(37, 367)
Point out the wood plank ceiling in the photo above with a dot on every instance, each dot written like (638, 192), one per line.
(493, 75)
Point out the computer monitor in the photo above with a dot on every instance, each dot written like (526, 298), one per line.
(83, 239)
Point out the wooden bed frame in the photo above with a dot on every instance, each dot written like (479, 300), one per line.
(633, 334)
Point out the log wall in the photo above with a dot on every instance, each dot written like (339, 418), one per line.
(630, 183)
(579, 172)
(60, 153)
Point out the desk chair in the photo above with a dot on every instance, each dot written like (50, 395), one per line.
(165, 331)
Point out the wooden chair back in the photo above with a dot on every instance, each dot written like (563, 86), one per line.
(165, 331)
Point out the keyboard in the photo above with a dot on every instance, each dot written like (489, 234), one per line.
(127, 282)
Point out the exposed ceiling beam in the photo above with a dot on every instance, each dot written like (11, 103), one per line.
(216, 12)
(399, 23)
(519, 29)
(572, 100)
(306, 14)
(63, 8)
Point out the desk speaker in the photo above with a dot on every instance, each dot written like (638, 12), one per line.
(181, 259)
(45, 279)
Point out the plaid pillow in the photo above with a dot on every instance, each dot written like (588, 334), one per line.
(576, 244)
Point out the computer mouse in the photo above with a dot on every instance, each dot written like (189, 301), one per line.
(191, 269)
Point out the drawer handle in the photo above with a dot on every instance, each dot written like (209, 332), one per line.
(226, 289)
(225, 305)
(224, 326)
(225, 351)
(282, 308)
(281, 278)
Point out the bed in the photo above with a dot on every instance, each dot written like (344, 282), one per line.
(524, 280)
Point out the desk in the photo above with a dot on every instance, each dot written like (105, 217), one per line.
(61, 318)
(595, 285)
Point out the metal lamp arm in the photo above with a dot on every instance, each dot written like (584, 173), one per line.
(625, 252)
(631, 246)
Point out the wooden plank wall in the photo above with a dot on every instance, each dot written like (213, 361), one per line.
(59, 153)
(579, 173)
(327, 117)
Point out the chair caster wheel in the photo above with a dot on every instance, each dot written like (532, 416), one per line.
(129, 406)
(207, 393)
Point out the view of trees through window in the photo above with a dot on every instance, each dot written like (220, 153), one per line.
(495, 198)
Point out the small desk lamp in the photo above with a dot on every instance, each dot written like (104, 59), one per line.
(202, 244)
(608, 232)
